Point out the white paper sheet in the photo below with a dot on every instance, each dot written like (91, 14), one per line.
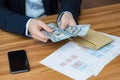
(67, 61)
(80, 63)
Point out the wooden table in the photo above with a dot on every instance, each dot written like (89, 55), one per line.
(105, 19)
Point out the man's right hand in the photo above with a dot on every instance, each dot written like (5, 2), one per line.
(35, 28)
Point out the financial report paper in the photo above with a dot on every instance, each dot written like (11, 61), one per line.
(80, 63)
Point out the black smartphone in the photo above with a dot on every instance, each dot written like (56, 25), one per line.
(18, 61)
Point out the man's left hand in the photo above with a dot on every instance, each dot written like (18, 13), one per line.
(67, 19)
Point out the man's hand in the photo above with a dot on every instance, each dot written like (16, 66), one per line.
(35, 28)
(67, 19)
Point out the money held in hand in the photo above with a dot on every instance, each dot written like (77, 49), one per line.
(70, 31)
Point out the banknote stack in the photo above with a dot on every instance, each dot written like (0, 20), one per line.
(71, 31)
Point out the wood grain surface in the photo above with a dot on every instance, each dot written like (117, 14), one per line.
(105, 19)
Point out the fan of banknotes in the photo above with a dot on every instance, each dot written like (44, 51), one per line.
(70, 31)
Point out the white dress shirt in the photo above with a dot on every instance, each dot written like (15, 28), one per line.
(34, 9)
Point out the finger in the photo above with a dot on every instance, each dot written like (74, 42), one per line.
(72, 22)
(64, 25)
(39, 39)
(38, 35)
(45, 27)
(42, 37)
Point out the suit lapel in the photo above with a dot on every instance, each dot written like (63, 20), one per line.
(50, 6)
(46, 4)
(22, 5)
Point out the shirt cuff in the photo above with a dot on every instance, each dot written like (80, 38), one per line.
(26, 31)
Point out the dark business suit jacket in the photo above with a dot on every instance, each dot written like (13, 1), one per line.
(12, 12)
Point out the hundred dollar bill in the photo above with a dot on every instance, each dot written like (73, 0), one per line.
(78, 30)
(57, 34)
(70, 31)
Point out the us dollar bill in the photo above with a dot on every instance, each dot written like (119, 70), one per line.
(78, 30)
(70, 31)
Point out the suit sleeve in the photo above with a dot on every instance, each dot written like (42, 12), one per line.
(10, 21)
(72, 6)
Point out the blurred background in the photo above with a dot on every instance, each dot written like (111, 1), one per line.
(86, 4)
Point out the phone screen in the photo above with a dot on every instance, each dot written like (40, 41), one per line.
(18, 61)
